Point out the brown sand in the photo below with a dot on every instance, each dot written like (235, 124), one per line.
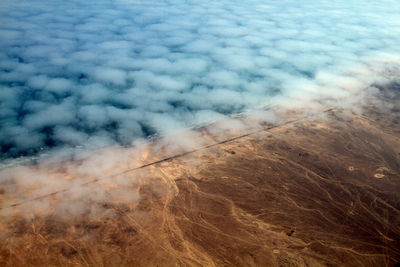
(310, 193)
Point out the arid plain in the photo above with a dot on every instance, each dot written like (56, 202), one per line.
(314, 191)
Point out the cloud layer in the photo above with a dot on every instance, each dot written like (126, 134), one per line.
(95, 73)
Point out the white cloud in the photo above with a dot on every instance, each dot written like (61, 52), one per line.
(59, 85)
(110, 76)
(76, 72)
(69, 135)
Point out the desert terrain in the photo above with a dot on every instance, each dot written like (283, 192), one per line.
(313, 191)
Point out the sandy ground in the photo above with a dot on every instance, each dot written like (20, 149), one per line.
(312, 192)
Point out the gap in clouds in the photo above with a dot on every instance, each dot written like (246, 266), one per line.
(93, 74)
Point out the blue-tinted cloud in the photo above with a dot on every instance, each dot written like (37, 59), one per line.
(77, 73)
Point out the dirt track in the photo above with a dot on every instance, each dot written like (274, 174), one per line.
(315, 192)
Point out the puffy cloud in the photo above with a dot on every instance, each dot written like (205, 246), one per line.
(77, 73)
(110, 76)
(59, 85)
(52, 115)
(69, 135)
